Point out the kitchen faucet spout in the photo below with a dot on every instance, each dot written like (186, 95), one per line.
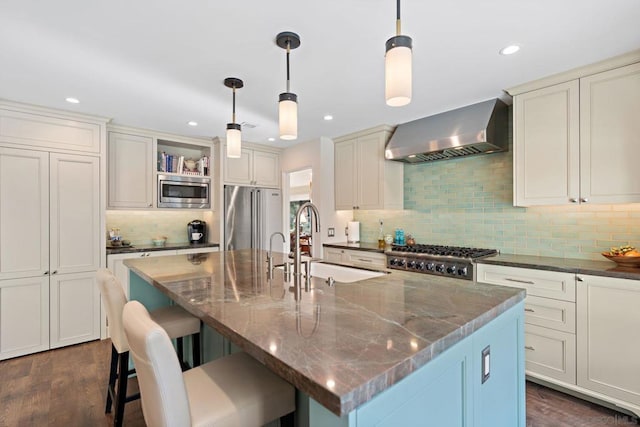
(297, 258)
(270, 256)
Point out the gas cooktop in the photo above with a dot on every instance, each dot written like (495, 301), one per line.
(450, 261)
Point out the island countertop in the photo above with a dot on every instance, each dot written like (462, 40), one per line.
(341, 345)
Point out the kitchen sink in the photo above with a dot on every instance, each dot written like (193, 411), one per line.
(342, 273)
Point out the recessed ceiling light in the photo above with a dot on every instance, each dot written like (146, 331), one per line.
(509, 50)
(271, 139)
(72, 100)
(328, 117)
(192, 123)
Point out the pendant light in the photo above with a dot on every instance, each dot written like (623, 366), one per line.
(288, 102)
(234, 131)
(397, 67)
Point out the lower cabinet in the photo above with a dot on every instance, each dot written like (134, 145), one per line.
(588, 346)
(39, 313)
(608, 344)
(356, 257)
(24, 316)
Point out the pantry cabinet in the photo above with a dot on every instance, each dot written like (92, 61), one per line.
(254, 167)
(574, 140)
(363, 178)
(50, 246)
(608, 318)
(130, 171)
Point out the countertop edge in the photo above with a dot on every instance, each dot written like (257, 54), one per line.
(151, 248)
(604, 269)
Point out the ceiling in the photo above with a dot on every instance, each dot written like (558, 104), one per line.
(158, 64)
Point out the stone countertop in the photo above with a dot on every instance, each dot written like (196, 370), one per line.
(604, 268)
(341, 345)
(111, 250)
(361, 246)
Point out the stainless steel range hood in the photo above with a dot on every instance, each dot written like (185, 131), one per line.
(476, 129)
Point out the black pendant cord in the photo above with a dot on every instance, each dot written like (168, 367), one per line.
(233, 114)
(398, 30)
(288, 77)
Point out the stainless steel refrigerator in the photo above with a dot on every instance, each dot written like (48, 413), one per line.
(251, 215)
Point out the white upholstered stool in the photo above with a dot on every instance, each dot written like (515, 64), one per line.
(235, 390)
(176, 321)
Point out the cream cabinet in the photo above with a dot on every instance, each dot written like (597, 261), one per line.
(363, 178)
(130, 171)
(49, 237)
(253, 167)
(574, 142)
(355, 257)
(550, 318)
(608, 348)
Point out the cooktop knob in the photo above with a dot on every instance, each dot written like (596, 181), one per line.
(431, 266)
(422, 266)
(412, 264)
(451, 269)
(402, 262)
(440, 268)
(462, 271)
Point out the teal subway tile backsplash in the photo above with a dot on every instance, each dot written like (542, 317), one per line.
(469, 202)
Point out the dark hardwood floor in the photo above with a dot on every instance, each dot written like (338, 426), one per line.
(66, 387)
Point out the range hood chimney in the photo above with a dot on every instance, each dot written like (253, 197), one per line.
(476, 129)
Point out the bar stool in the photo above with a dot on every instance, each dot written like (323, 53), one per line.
(235, 390)
(176, 321)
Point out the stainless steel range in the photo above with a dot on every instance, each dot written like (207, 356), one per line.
(451, 261)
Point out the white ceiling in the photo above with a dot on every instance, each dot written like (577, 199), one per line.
(160, 63)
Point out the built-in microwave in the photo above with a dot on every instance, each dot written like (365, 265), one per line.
(187, 192)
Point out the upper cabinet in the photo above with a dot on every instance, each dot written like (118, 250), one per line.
(363, 178)
(256, 167)
(136, 156)
(574, 141)
(130, 171)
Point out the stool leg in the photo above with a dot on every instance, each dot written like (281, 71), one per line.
(121, 396)
(195, 348)
(113, 373)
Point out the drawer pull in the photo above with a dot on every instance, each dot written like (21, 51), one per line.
(528, 347)
(364, 260)
(528, 282)
(530, 310)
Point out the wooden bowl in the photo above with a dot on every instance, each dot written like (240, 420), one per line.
(626, 261)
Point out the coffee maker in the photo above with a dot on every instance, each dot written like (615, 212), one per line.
(197, 231)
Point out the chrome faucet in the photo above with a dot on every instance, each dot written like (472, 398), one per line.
(270, 256)
(296, 249)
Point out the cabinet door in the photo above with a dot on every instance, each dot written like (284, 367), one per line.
(550, 353)
(333, 254)
(24, 213)
(266, 169)
(546, 146)
(609, 129)
(345, 172)
(75, 213)
(74, 309)
(130, 171)
(370, 158)
(240, 170)
(608, 321)
(24, 316)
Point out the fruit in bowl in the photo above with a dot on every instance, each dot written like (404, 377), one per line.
(626, 255)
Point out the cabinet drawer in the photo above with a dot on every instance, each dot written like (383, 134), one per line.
(550, 353)
(196, 251)
(541, 283)
(550, 313)
(366, 259)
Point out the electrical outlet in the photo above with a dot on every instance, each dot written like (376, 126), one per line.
(331, 232)
(486, 365)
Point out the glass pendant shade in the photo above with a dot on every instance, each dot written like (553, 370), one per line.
(234, 140)
(288, 113)
(398, 75)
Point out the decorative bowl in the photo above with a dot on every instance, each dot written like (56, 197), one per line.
(159, 241)
(625, 261)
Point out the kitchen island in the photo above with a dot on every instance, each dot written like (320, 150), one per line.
(400, 349)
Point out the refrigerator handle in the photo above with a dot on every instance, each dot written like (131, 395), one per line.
(259, 218)
(253, 217)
